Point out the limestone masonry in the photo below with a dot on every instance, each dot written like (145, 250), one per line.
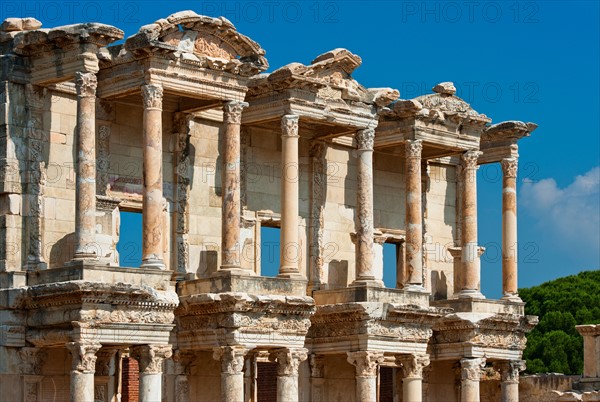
(180, 124)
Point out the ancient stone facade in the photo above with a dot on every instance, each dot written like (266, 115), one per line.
(180, 124)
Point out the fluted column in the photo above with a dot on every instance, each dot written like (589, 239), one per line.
(150, 359)
(152, 209)
(412, 382)
(470, 262)
(231, 180)
(288, 360)
(509, 373)
(509, 229)
(317, 381)
(290, 192)
(414, 216)
(232, 372)
(364, 209)
(470, 375)
(83, 368)
(367, 365)
(85, 189)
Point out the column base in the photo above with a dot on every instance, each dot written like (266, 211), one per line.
(367, 282)
(512, 297)
(291, 275)
(415, 288)
(153, 264)
(470, 294)
(79, 256)
(229, 270)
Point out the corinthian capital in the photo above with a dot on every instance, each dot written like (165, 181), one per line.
(470, 369)
(85, 84)
(469, 159)
(232, 111)
(151, 357)
(366, 363)
(289, 125)
(413, 365)
(83, 356)
(365, 139)
(288, 360)
(509, 167)
(509, 370)
(413, 149)
(231, 357)
(32, 360)
(152, 96)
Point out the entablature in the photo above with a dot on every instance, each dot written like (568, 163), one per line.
(499, 141)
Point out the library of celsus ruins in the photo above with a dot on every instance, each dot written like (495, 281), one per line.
(180, 124)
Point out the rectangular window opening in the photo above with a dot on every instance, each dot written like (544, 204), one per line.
(129, 246)
(391, 253)
(269, 250)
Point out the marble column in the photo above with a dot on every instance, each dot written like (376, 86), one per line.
(366, 365)
(232, 372)
(231, 180)
(364, 210)
(414, 216)
(509, 373)
(470, 375)
(509, 229)
(150, 359)
(412, 382)
(470, 262)
(290, 193)
(83, 368)
(152, 209)
(85, 189)
(317, 381)
(288, 360)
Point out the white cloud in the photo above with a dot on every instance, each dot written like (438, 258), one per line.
(572, 213)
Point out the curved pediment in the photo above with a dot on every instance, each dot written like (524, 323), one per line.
(200, 39)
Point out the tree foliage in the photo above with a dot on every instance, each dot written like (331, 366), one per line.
(554, 345)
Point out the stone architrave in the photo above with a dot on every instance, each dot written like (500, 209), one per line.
(414, 215)
(85, 187)
(152, 192)
(470, 375)
(290, 252)
(470, 262)
(366, 365)
(412, 382)
(232, 375)
(509, 373)
(288, 360)
(231, 190)
(150, 359)
(82, 370)
(509, 229)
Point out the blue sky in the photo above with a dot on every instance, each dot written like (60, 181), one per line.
(528, 60)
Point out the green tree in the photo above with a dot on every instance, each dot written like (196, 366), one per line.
(554, 345)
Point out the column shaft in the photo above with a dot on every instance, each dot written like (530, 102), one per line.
(509, 228)
(290, 175)
(231, 180)
(150, 358)
(85, 190)
(232, 374)
(152, 209)
(288, 361)
(470, 377)
(364, 209)
(82, 370)
(509, 373)
(470, 250)
(414, 214)
(412, 382)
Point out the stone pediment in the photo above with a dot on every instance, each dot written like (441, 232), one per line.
(196, 39)
(329, 76)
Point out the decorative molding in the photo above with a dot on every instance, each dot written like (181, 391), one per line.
(366, 363)
(151, 357)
